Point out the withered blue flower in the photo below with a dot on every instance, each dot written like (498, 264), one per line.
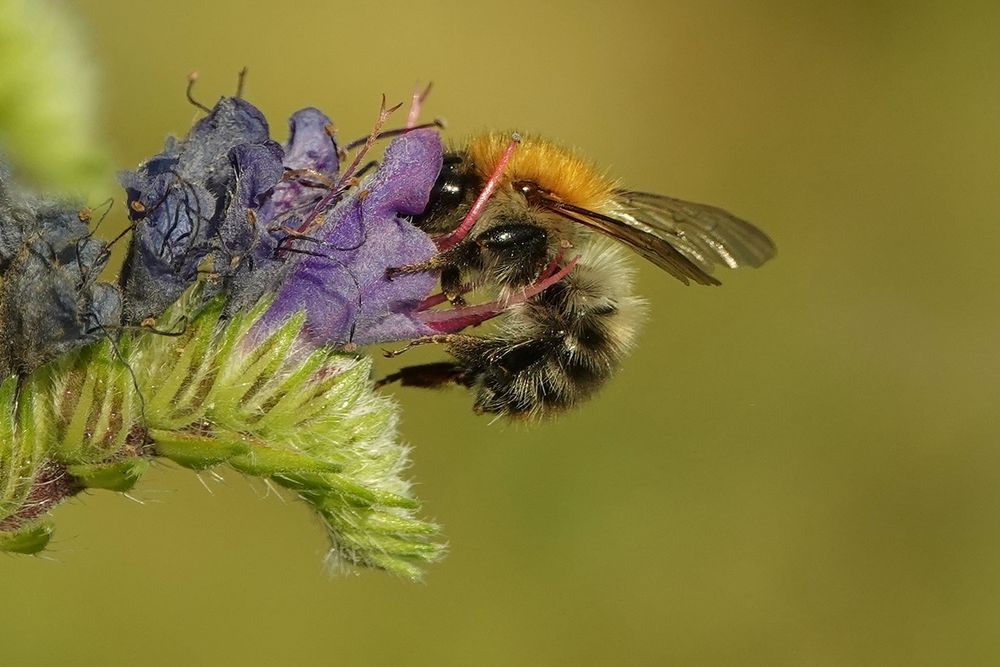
(177, 201)
(246, 262)
(265, 210)
(50, 299)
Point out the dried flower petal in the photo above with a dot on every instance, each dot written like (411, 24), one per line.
(246, 259)
(311, 144)
(50, 300)
(175, 201)
(251, 260)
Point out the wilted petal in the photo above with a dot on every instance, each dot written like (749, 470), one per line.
(50, 300)
(174, 201)
(169, 240)
(311, 144)
(246, 259)
(311, 165)
(204, 153)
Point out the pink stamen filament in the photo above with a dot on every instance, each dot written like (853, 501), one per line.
(449, 240)
(456, 319)
(416, 104)
(432, 300)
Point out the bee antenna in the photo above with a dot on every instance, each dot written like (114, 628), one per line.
(192, 77)
(445, 242)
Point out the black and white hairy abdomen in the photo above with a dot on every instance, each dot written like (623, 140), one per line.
(559, 347)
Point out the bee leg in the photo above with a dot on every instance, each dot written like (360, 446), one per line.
(432, 264)
(462, 257)
(451, 285)
(450, 321)
(430, 375)
(436, 339)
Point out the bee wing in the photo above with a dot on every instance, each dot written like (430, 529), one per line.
(704, 234)
(640, 238)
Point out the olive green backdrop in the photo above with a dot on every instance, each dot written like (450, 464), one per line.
(797, 468)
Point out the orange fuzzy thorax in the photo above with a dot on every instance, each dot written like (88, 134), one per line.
(554, 168)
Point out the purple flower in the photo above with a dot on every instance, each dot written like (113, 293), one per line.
(343, 287)
(282, 222)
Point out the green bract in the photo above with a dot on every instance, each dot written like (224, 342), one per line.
(213, 394)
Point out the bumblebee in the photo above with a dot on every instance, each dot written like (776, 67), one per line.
(545, 230)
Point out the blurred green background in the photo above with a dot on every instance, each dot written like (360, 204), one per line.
(797, 468)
